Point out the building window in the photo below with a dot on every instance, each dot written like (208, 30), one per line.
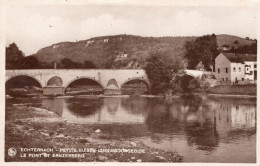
(247, 70)
(223, 79)
(226, 79)
(254, 65)
(242, 79)
(218, 70)
(239, 69)
(234, 69)
(226, 70)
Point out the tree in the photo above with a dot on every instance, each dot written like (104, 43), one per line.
(225, 45)
(159, 69)
(89, 65)
(245, 49)
(190, 50)
(236, 42)
(203, 49)
(67, 63)
(14, 56)
(30, 62)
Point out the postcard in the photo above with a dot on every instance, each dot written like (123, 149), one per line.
(143, 82)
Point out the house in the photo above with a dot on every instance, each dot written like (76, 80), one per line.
(233, 68)
(200, 66)
(225, 48)
(89, 42)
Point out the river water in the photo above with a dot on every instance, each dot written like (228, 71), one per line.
(200, 129)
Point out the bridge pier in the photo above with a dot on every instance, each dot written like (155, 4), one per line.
(53, 90)
(112, 92)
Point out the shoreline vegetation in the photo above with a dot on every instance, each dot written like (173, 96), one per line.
(148, 96)
(231, 91)
(250, 89)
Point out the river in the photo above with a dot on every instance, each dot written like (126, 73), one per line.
(199, 129)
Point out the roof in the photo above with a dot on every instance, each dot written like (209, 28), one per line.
(240, 58)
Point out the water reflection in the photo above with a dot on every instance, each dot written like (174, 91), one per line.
(54, 104)
(95, 110)
(135, 105)
(112, 105)
(188, 125)
(82, 107)
(192, 116)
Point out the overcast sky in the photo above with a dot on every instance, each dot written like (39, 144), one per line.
(35, 27)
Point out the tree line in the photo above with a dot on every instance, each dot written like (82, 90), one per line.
(15, 59)
(246, 49)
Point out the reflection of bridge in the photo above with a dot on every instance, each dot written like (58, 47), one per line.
(110, 80)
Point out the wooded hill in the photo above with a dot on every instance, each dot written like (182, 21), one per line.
(125, 51)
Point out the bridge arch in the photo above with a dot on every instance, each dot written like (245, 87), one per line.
(177, 78)
(55, 81)
(24, 75)
(79, 78)
(186, 82)
(189, 74)
(112, 82)
(137, 78)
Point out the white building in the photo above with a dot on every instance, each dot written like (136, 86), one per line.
(236, 68)
(250, 70)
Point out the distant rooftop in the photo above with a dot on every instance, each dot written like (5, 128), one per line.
(240, 58)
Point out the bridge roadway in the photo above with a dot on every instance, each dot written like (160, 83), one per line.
(55, 81)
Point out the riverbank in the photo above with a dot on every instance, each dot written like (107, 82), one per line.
(229, 91)
(233, 96)
(250, 90)
(31, 127)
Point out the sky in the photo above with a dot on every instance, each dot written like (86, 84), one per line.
(37, 26)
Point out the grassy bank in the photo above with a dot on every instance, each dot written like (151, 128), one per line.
(233, 90)
(31, 127)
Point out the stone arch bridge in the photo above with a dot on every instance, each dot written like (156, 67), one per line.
(110, 80)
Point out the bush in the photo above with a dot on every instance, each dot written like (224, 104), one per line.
(159, 70)
(236, 42)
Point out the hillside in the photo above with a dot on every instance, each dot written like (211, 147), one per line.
(229, 40)
(122, 51)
